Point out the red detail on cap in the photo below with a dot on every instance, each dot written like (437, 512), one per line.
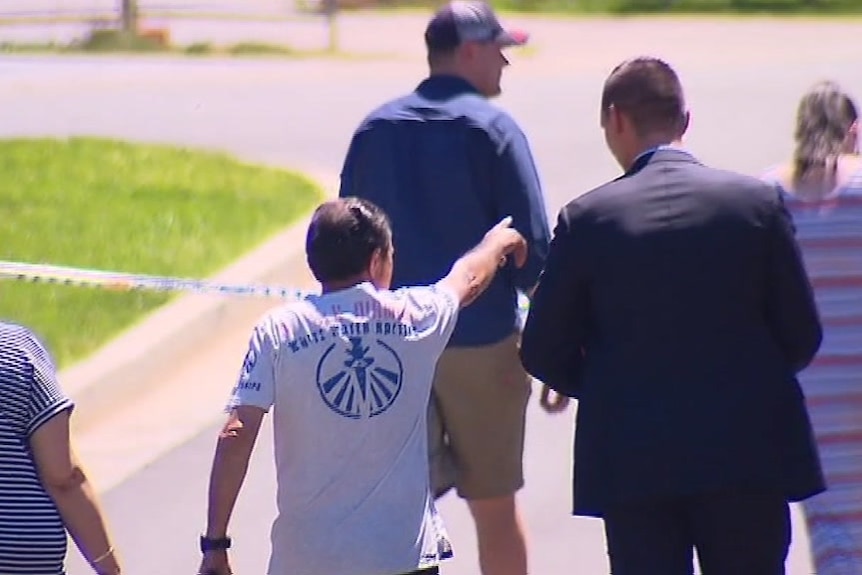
(519, 36)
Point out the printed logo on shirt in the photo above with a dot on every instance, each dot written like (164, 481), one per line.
(444, 548)
(359, 380)
(247, 367)
(248, 363)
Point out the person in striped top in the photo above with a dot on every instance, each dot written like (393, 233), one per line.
(822, 186)
(43, 490)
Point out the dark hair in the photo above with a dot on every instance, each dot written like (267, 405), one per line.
(823, 117)
(438, 56)
(649, 92)
(342, 237)
(441, 36)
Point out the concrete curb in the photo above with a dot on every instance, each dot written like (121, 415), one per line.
(130, 364)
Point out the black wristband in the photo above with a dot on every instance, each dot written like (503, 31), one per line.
(208, 544)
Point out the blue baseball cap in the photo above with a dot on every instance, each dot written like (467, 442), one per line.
(469, 21)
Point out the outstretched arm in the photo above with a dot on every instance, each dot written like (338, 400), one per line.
(473, 272)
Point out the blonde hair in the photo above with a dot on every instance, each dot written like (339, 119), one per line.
(823, 117)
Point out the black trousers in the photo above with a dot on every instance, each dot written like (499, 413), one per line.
(427, 571)
(736, 532)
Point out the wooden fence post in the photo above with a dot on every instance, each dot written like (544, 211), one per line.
(129, 16)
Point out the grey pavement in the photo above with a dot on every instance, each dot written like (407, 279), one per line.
(743, 80)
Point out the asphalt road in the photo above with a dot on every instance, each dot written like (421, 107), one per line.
(743, 80)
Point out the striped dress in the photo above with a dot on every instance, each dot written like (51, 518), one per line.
(32, 535)
(829, 232)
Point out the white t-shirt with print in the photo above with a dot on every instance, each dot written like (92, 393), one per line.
(348, 375)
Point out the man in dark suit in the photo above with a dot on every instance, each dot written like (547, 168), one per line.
(675, 307)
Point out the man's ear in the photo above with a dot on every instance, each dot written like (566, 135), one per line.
(375, 262)
(686, 122)
(616, 119)
(466, 51)
(378, 261)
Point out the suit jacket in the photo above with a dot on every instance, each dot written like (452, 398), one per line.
(676, 308)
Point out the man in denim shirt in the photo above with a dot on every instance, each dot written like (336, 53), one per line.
(445, 164)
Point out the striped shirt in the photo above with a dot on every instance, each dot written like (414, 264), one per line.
(829, 232)
(32, 535)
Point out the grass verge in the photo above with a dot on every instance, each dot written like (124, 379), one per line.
(197, 49)
(308, 8)
(127, 207)
(633, 7)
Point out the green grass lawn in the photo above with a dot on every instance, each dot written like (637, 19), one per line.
(778, 7)
(830, 9)
(126, 207)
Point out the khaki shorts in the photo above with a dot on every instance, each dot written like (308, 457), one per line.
(476, 420)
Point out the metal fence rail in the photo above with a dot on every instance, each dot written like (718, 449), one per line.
(47, 10)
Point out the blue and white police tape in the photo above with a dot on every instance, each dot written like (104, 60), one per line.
(121, 281)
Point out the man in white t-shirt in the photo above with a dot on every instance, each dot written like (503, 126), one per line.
(348, 376)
